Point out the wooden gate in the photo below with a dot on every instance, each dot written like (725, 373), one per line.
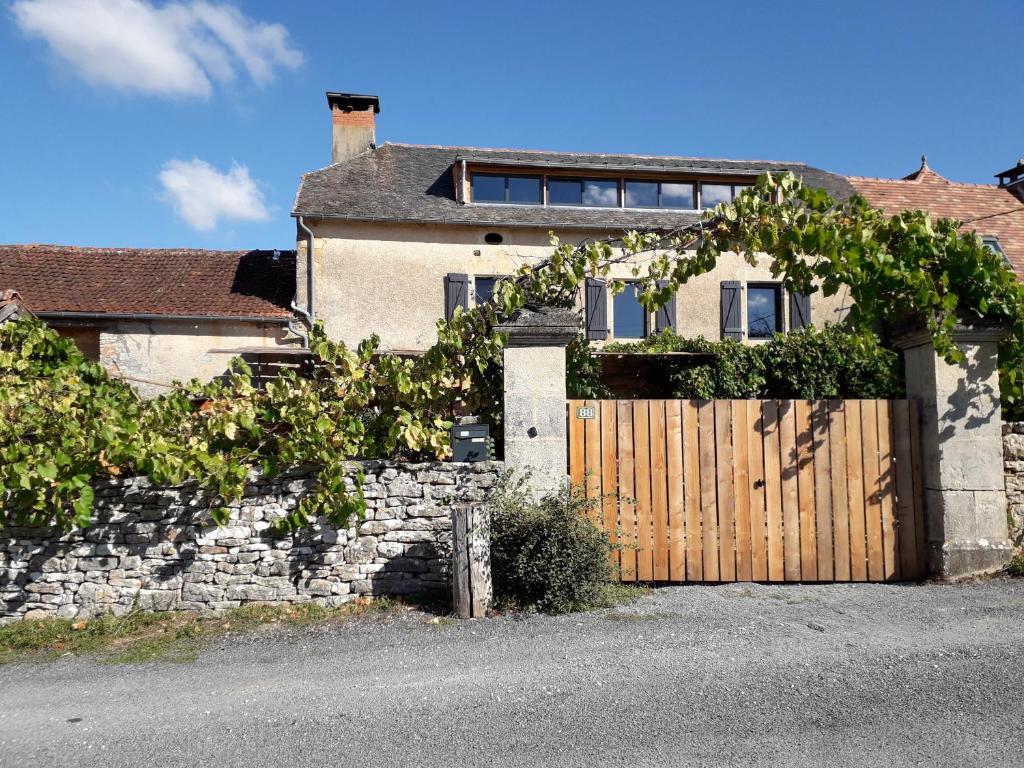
(754, 490)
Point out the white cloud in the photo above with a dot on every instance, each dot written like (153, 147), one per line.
(179, 49)
(202, 195)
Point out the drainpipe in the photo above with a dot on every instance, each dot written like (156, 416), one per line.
(309, 314)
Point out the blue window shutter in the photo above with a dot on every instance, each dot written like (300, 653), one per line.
(596, 309)
(456, 293)
(799, 311)
(732, 323)
(665, 317)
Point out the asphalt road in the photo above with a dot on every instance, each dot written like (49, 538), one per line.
(732, 675)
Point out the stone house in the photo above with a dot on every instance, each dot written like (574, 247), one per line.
(156, 316)
(401, 234)
(994, 212)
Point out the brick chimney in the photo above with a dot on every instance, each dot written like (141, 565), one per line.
(353, 118)
(1013, 179)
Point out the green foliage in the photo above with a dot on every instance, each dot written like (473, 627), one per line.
(547, 554)
(64, 422)
(583, 371)
(145, 636)
(807, 364)
(1016, 565)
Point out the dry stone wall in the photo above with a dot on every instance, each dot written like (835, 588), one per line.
(155, 548)
(1013, 469)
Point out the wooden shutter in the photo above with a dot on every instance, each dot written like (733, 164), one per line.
(732, 323)
(799, 311)
(456, 293)
(596, 309)
(665, 317)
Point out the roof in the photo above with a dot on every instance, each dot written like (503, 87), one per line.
(150, 282)
(412, 183)
(986, 209)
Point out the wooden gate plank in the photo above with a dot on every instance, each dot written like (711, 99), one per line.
(887, 491)
(726, 490)
(708, 490)
(610, 477)
(840, 497)
(642, 459)
(822, 492)
(627, 491)
(805, 487)
(676, 490)
(773, 489)
(592, 460)
(920, 536)
(692, 492)
(855, 489)
(872, 489)
(741, 474)
(577, 469)
(755, 464)
(790, 491)
(659, 489)
(906, 534)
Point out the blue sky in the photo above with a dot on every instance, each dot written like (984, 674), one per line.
(154, 124)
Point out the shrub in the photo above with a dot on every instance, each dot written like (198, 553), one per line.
(546, 554)
(808, 364)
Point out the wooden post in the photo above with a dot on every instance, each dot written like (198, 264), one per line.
(471, 560)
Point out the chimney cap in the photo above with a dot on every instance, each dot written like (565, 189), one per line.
(356, 102)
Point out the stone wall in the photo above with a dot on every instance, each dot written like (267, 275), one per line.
(1013, 467)
(156, 549)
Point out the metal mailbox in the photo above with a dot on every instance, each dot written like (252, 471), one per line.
(470, 442)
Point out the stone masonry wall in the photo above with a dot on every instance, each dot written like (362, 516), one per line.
(1013, 468)
(156, 549)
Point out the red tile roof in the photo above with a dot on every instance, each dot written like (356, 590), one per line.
(134, 281)
(989, 210)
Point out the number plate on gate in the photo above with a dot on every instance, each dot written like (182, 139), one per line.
(586, 412)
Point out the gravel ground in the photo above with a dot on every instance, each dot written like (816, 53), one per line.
(739, 675)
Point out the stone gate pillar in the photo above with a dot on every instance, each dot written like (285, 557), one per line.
(535, 396)
(961, 450)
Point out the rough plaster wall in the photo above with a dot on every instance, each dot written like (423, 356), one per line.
(388, 278)
(156, 548)
(165, 350)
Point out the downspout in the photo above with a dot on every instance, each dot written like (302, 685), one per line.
(309, 314)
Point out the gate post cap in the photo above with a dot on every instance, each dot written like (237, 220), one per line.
(913, 332)
(541, 327)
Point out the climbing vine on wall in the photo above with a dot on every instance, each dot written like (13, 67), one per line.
(65, 422)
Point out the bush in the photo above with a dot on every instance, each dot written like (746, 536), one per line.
(546, 555)
(809, 364)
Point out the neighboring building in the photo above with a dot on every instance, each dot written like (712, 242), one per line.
(401, 234)
(995, 213)
(156, 315)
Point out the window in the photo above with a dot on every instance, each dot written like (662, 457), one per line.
(629, 318)
(524, 189)
(599, 193)
(602, 193)
(641, 194)
(764, 310)
(677, 196)
(992, 243)
(489, 188)
(565, 192)
(483, 289)
(713, 194)
(654, 194)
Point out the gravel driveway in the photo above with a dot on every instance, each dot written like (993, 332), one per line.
(732, 675)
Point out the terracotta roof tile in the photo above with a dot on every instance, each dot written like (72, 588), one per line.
(988, 210)
(134, 281)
